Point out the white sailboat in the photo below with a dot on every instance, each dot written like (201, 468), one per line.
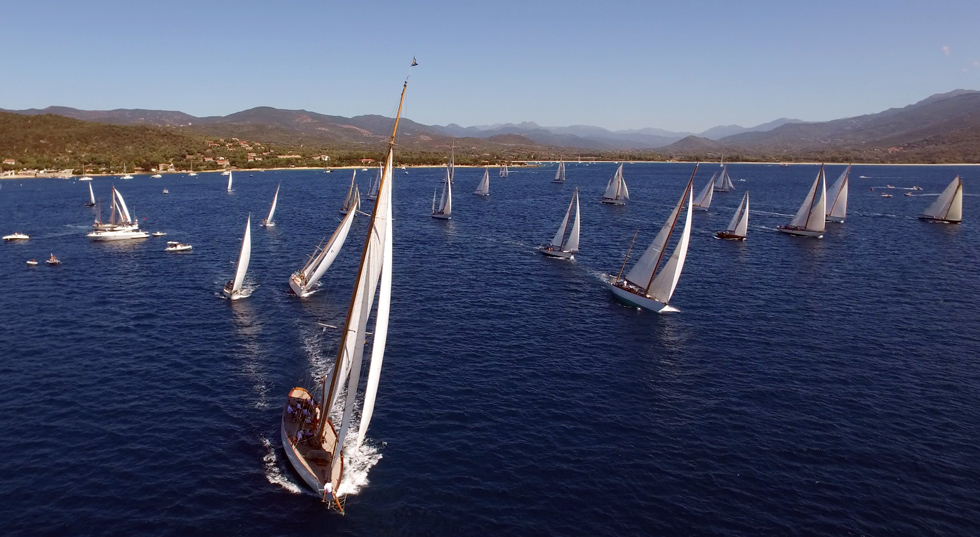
(192, 173)
(318, 447)
(233, 289)
(352, 203)
(738, 227)
(229, 181)
(948, 207)
(503, 171)
(373, 192)
(268, 222)
(303, 282)
(560, 174)
(125, 175)
(561, 246)
(616, 191)
(724, 182)
(811, 218)
(643, 286)
(91, 197)
(703, 200)
(124, 228)
(444, 211)
(483, 189)
(451, 167)
(837, 195)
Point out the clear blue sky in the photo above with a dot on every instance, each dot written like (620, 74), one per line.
(615, 64)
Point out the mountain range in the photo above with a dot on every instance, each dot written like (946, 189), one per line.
(941, 128)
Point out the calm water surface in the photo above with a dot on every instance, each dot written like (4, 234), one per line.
(806, 387)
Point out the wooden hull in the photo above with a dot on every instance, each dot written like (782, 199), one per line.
(310, 461)
(800, 232)
(632, 299)
(729, 236)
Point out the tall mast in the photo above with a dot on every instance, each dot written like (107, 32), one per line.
(628, 250)
(672, 224)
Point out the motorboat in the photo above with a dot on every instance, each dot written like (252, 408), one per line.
(53, 260)
(174, 246)
(16, 237)
(32, 262)
(158, 234)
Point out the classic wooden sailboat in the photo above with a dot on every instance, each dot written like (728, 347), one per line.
(268, 222)
(373, 192)
(616, 191)
(643, 286)
(444, 210)
(124, 228)
(91, 197)
(739, 224)
(233, 289)
(724, 182)
(560, 174)
(561, 246)
(229, 181)
(703, 200)
(837, 195)
(303, 282)
(317, 447)
(483, 189)
(948, 207)
(503, 171)
(352, 203)
(811, 218)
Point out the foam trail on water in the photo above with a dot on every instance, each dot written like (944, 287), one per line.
(273, 473)
(358, 463)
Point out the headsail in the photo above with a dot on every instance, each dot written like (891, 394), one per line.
(703, 201)
(272, 209)
(229, 180)
(949, 205)
(811, 215)
(837, 194)
(243, 257)
(483, 189)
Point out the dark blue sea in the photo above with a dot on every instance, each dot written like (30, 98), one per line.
(806, 387)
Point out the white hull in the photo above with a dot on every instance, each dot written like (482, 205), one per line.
(801, 232)
(117, 235)
(640, 302)
(268, 224)
(558, 253)
(16, 237)
(298, 289)
(233, 295)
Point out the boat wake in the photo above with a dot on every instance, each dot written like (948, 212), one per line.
(358, 464)
(273, 471)
(312, 339)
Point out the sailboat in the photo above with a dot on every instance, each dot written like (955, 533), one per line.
(317, 450)
(229, 180)
(91, 197)
(125, 175)
(837, 195)
(303, 282)
(272, 210)
(483, 189)
(724, 181)
(352, 203)
(560, 174)
(703, 199)
(811, 218)
(126, 227)
(561, 246)
(948, 207)
(373, 193)
(503, 171)
(616, 191)
(739, 224)
(192, 173)
(444, 211)
(643, 287)
(233, 289)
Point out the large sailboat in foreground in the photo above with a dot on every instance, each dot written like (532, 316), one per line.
(811, 218)
(837, 196)
(233, 289)
(616, 191)
(315, 438)
(643, 286)
(562, 246)
(121, 225)
(303, 282)
(948, 207)
(739, 224)
(268, 222)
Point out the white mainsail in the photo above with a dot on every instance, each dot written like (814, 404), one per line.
(724, 182)
(616, 191)
(373, 192)
(272, 210)
(503, 171)
(739, 224)
(352, 201)
(452, 163)
(445, 207)
(243, 258)
(560, 174)
(121, 207)
(641, 275)
(662, 287)
(703, 200)
(322, 258)
(229, 180)
(837, 194)
(812, 216)
(91, 195)
(948, 207)
(483, 189)
(569, 244)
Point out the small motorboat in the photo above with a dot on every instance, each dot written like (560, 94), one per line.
(916, 187)
(53, 260)
(156, 176)
(165, 191)
(886, 195)
(158, 234)
(86, 178)
(32, 262)
(908, 194)
(16, 237)
(174, 246)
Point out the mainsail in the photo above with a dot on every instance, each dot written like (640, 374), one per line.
(324, 255)
(229, 181)
(948, 207)
(243, 258)
(272, 210)
(837, 194)
(739, 224)
(569, 244)
(560, 174)
(483, 189)
(703, 200)
(616, 191)
(812, 215)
